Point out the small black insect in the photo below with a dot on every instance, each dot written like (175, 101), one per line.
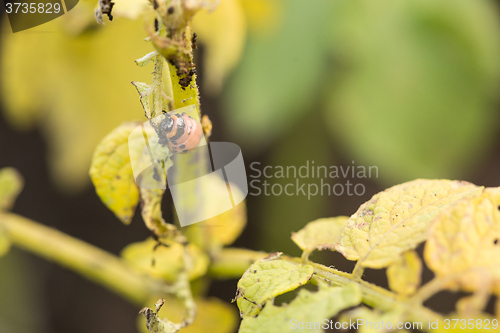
(193, 41)
(106, 7)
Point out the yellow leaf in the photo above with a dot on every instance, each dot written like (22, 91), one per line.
(264, 16)
(213, 315)
(11, 184)
(165, 262)
(72, 77)
(397, 220)
(267, 279)
(222, 229)
(321, 234)
(111, 172)
(464, 244)
(404, 275)
(223, 31)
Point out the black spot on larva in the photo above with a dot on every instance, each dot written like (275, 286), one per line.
(498, 207)
(182, 146)
(171, 10)
(495, 241)
(185, 150)
(255, 271)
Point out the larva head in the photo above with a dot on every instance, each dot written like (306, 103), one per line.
(167, 124)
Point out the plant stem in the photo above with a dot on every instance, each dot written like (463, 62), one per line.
(112, 272)
(357, 272)
(232, 263)
(87, 260)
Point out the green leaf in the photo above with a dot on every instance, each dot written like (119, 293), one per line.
(398, 219)
(307, 308)
(409, 68)
(464, 244)
(267, 279)
(321, 234)
(168, 261)
(404, 276)
(111, 172)
(278, 76)
(11, 184)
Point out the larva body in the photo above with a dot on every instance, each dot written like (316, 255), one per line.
(180, 132)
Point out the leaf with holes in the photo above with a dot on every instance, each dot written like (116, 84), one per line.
(307, 308)
(267, 279)
(398, 219)
(321, 234)
(464, 244)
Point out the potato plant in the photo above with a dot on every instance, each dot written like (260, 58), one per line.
(167, 275)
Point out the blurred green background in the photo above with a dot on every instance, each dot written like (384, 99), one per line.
(407, 86)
